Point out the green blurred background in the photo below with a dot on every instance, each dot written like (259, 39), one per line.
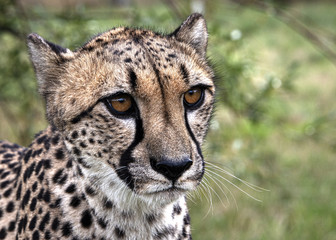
(275, 120)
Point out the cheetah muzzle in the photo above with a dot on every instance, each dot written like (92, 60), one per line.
(128, 112)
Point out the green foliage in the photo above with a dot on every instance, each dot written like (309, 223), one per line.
(274, 124)
(18, 98)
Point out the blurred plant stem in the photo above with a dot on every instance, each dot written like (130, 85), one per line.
(279, 11)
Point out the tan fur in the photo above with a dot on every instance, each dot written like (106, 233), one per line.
(111, 176)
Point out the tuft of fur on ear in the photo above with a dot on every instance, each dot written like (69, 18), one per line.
(193, 31)
(48, 60)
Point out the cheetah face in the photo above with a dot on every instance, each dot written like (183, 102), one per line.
(133, 106)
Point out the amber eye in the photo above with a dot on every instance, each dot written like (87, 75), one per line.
(194, 96)
(120, 105)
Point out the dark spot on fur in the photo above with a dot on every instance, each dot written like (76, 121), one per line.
(47, 235)
(40, 195)
(87, 48)
(18, 192)
(27, 156)
(102, 223)
(90, 191)
(59, 154)
(75, 201)
(22, 224)
(32, 223)
(86, 219)
(119, 232)
(56, 204)
(25, 199)
(34, 187)
(47, 163)
(79, 170)
(7, 193)
(55, 140)
(59, 177)
(74, 134)
(45, 220)
(28, 172)
(115, 41)
(4, 184)
(46, 196)
(37, 153)
(83, 163)
(108, 204)
(41, 139)
(66, 229)
(10, 207)
(32, 206)
(8, 155)
(186, 219)
(55, 224)
(3, 233)
(76, 151)
(177, 209)
(69, 164)
(71, 188)
(83, 132)
(38, 167)
(46, 144)
(41, 176)
(11, 226)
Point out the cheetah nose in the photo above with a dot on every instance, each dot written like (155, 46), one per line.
(171, 169)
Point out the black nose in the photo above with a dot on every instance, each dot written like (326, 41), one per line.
(171, 169)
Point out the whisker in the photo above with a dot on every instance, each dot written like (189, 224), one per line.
(202, 189)
(210, 197)
(220, 187)
(243, 191)
(199, 191)
(231, 194)
(191, 197)
(211, 178)
(250, 185)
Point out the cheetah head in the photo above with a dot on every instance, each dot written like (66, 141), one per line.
(133, 107)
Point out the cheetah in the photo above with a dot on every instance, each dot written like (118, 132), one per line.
(127, 112)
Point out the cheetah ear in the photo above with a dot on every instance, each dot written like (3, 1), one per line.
(47, 59)
(193, 31)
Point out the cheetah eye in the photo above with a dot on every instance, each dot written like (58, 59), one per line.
(194, 97)
(120, 104)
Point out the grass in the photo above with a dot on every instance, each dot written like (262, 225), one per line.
(289, 151)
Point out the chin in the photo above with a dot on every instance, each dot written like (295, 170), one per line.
(165, 194)
(161, 198)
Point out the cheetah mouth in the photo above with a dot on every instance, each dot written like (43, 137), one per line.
(172, 190)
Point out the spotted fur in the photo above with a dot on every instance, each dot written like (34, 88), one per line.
(98, 174)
